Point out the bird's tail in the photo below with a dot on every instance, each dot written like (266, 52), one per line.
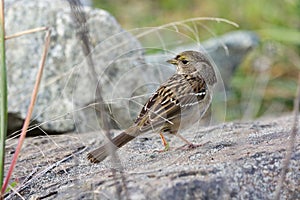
(105, 150)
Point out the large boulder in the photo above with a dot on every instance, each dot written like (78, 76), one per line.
(67, 94)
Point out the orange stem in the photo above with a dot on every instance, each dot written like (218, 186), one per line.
(29, 113)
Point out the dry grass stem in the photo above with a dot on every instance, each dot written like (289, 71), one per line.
(289, 151)
(30, 110)
(26, 32)
(100, 108)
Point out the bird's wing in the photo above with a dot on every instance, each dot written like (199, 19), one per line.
(178, 92)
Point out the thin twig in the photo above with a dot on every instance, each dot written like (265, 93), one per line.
(286, 162)
(30, 110)
(47, 169)
(16, 192)
(173, 25)
(26, 32)
(83, 35)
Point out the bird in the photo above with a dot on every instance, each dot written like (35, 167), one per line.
(176, 105)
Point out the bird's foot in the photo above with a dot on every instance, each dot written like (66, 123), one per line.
(167, 148)
(189, 146)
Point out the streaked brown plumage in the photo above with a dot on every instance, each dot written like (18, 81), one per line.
(176, 105)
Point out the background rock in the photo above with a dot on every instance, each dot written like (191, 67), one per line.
(67, 96)
(236, 161)
(226, 51)
(229, 50)
(66, 90)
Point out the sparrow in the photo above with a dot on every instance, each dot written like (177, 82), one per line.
(176, 105)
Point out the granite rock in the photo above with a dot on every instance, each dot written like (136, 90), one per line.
(66, 95)
(237, 160)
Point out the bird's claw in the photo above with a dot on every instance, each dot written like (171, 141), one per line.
(189, 146)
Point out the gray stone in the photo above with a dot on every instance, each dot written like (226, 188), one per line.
(66, 95)
(236, 161)
(229, 50)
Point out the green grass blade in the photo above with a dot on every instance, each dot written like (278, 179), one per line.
(3, 94)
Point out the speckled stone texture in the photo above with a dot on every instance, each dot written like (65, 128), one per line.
(67, 94)
(236, 161)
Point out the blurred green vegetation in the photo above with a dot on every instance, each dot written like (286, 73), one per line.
(265, 83)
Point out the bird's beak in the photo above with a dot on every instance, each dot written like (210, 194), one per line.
(173, 61)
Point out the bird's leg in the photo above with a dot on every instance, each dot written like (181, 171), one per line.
(188, 144)
(165, 143)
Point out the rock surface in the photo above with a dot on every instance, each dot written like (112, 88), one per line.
(236, 161)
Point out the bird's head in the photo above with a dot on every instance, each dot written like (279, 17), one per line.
(194, 62)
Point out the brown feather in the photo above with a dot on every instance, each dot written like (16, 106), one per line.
(105, 150)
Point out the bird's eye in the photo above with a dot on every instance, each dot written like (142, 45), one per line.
(185, 62)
